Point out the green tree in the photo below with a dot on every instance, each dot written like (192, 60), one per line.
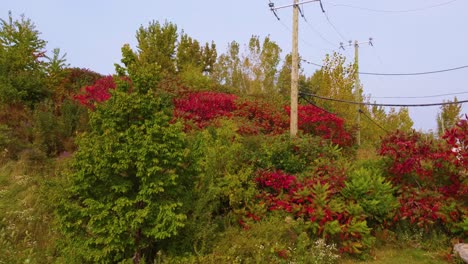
(190, 54)
(157, 45)
(335, 80)
(228, 70)
(125, 194)
(253, 72)
(284, 77)
(449, 115)
(22, 69)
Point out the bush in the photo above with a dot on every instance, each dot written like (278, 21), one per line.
(370, 190)
(276, 239)
(431, 177)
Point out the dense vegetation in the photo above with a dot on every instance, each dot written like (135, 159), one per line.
(184, 156)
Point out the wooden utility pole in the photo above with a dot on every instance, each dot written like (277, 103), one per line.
(294, 70)
(357, 92)
(295, 59)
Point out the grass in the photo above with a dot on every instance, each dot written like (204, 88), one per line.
(394, 255)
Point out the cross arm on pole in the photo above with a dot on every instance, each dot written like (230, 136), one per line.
(300, 3)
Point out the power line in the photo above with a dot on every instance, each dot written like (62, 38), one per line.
(273, 9)
(329, 22)
(311, 103)
(400, 74)
(375, 104)
(373, 121)
(415, 73)
(417, 97)
(393, 11)
(311, 63)
(317, 32)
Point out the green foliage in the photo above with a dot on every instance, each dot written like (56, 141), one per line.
(190, 54)
(277, 239)
(125, 192)
(222, 188)
(298, 155)
(370, 190)
(27, 228)
(252, 73)
(448, 117)
(22, 73)
(157, 45)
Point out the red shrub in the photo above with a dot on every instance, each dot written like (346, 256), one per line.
(430, 174)
(203, 107)
(316, 201)
(96, 93)
(260, 118)
(316, 121)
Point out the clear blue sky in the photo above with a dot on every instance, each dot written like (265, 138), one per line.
(92, 33)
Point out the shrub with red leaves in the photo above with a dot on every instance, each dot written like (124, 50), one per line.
(260, 118)
(96, 93)
(256, 117)
(432, 175)
(317, 201)
(203, 107)
(316, 121)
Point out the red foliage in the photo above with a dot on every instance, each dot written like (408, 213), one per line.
(430, 175)
(256, 117)
(260, 118)
(96, 93)
(203, 107)
(316, 121)
(302, 199)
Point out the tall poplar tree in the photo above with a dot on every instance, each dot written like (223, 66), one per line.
(449, 115)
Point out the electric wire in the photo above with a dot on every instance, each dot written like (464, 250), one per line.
(401, 74)
(311, 103)
(360, 112)
(301, 39)
(318, 33)
(376, 104)
(418, 97)
(415, 73)
(373, 121)
(334, 27)
(393, 11)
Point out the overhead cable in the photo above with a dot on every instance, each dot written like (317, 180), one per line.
(417, 97)
(393, 11)
(373, 121)
(400, 74)
(376, 104)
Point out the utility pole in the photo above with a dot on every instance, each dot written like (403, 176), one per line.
(357, 92)
(294, 70)
(293, 125)
(357, 84)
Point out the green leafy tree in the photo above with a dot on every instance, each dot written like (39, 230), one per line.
(335, 80)
(253, 72)
(22, 69)
(227, 70)
(125, 190)
(195, 63)
(284, 77)
(157, 45)
(449, 115)
(191, 54)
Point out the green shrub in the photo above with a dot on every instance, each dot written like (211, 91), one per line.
(370, 190)
(276, 239)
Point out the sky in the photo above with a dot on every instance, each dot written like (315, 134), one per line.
(408, 36)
